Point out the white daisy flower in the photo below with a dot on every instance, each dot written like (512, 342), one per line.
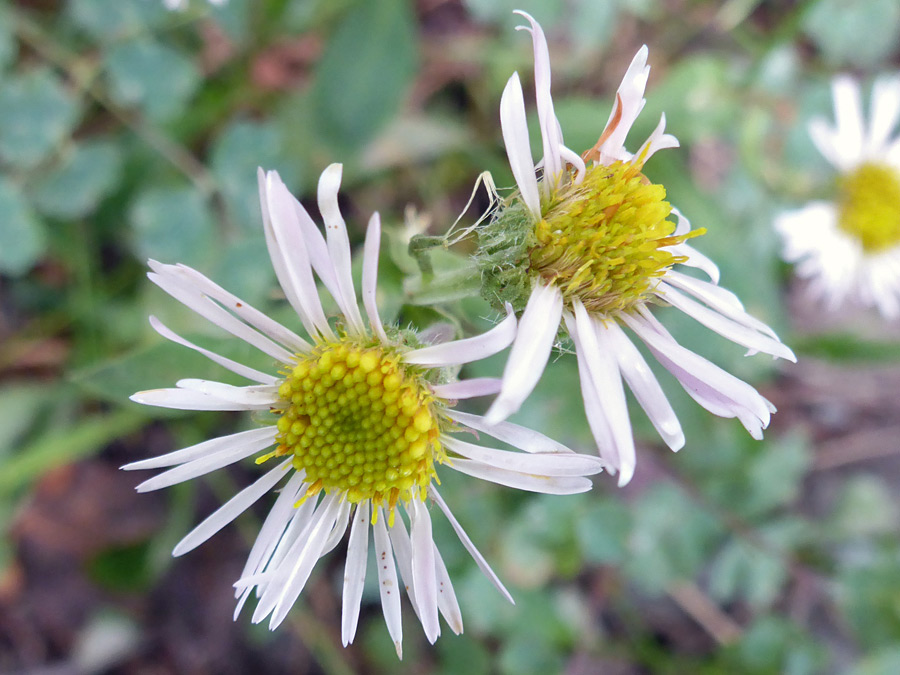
(362, 414)
(590, 247)
(849, 249)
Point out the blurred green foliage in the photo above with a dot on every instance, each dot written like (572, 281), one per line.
(129, 132)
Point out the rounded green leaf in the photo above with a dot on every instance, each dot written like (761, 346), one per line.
(858, 33)
(364, 72)
(238, 151)
(152, 76)
(22, 236)
(36, 114)
(86, 174)
(172, 225)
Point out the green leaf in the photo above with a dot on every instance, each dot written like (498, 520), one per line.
(775, 645)
(20, 406)
(864, 508)
(882, 662)
(87, 173)
(110, 19)
(671, 540)
(62, 446)
(603, 530)
(36, 114)
(172, 225)
(237, 152)
(742, 570)
(364, 72)
(869, 595)
(7, 39)
(152, 76)
(22, 236)
(857, 33)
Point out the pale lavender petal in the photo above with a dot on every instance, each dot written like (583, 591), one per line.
(467, 350)
(541, 464)
(370, 276)
(339, 243)
(477, 386)
(518, 148)
(517, 436)
(387, 582)
(355, 572)
(530, 351)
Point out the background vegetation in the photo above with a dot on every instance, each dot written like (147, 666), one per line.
(129, 132)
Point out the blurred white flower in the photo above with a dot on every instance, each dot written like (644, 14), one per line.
(849, 248)
(182, 4)
(361, 416)
(590, 246)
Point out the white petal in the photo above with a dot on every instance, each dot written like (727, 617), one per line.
(721, 300)
(317, 248)
(604, 371)
(467, 350)
(206, 449)
(593, 408)
(423, 568)
(187, 399)
(642, 382)
(848, 115)
(658, 140)
(702, 372)
(289, 238)
(203, 465)
(192, 298)
(544, 464)
(248, 313)
(724, 326)
(370, 276)
(630, 102)
(233, 366)
(530, 351)
(467, 543)
(339, 528)
(549, 125)
(575, 160)
(339, 243)
(307, 559)
(252, 395)
(231, 509)
(885, 111)
(387, 582)
(446, 597)
(355, 572)
(477, 386)
(551, 485)
(270, 533)
(518, 148)
(517, 436)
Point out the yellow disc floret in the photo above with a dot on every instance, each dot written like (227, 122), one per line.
(603, 241)
(870, 206)
(359, 421)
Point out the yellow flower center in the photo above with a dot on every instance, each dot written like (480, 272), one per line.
(603, 241)
(869, 206)
(360, 422)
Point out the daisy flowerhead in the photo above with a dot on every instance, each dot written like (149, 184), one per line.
(362, 415)
(849, 249)
(589, 244)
